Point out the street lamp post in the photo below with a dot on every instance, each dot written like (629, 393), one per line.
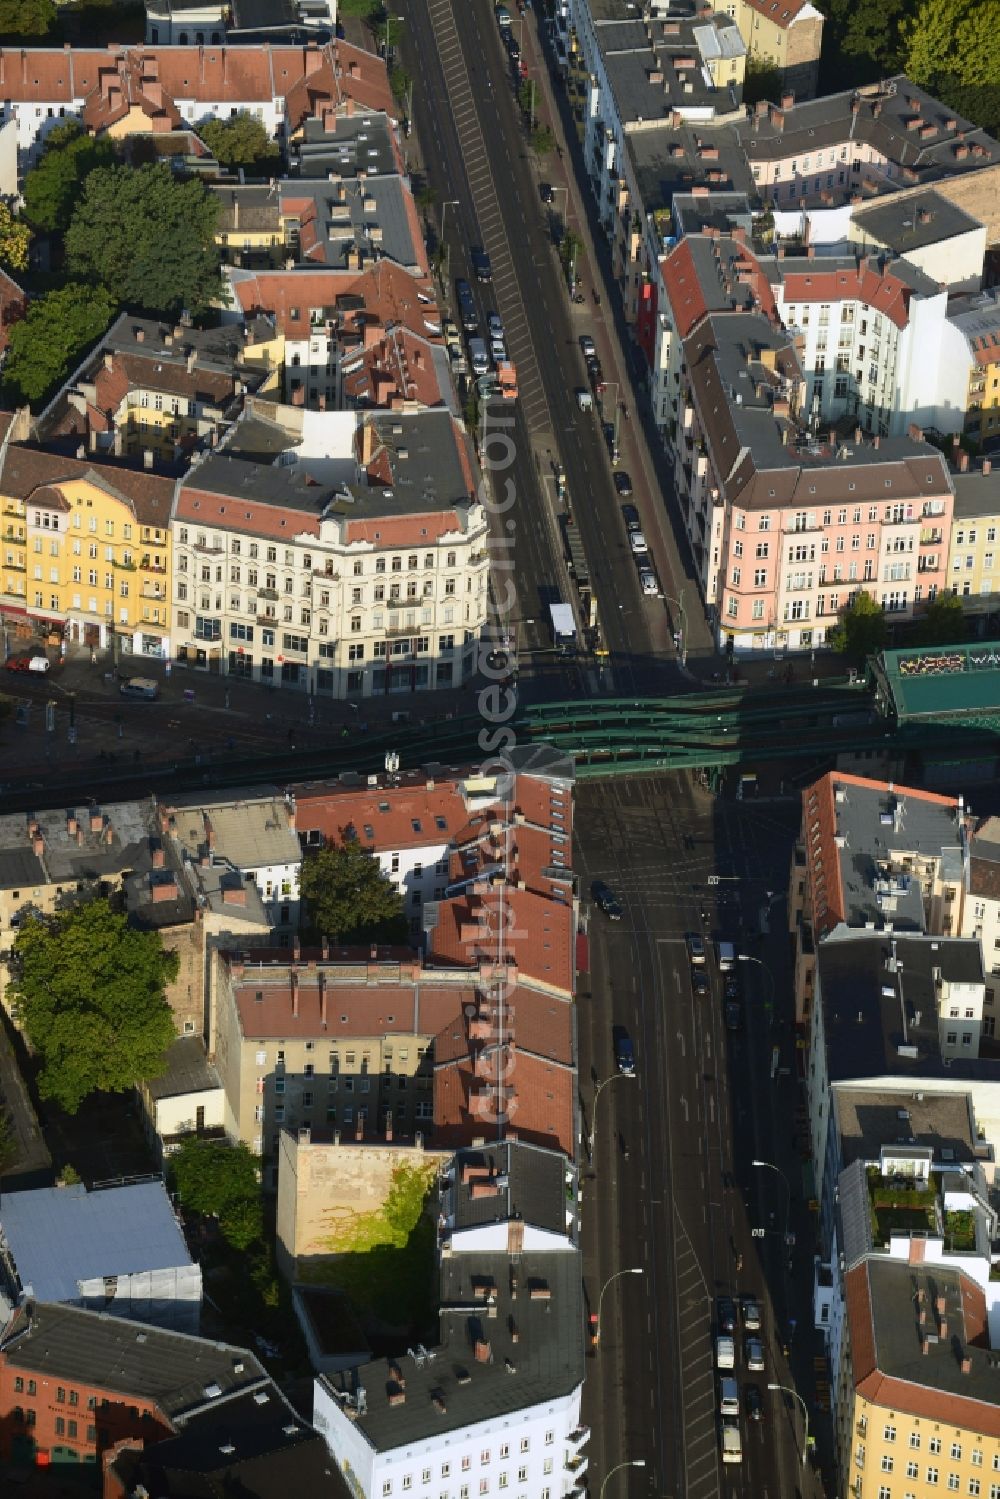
(770, 1166)
(616, 1077)
(746, 957)
(787, 1390)
(635, 1462)
(684, 633)
(629, 1270)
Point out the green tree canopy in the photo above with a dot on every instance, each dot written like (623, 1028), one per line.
(90, 990)
(861, 630)
(147, 237)
(52, 188)
(219, 1180)
(43, 347)
(957, 40)
(240, 142)
(350, 899)
(15, 238)
(762, 80)
(944, 621)
(27, 19)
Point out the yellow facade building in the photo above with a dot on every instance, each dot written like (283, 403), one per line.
(974, 550)
(916, 1400)
(86, 550)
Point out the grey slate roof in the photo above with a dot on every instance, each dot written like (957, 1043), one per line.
(864, 1028)
(59, 1236)
(908, 224)
(535, 1191)
(188, 1070)
(546, 1362)
(359, 143)
(128, 1358)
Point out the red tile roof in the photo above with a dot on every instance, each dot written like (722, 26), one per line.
(779, 12)
(263, 518)
(882, 290)
(398, 367)
(535, 1104)
(530, 931)
(389, 294)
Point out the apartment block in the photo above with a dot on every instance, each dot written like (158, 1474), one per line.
(642, 73)
(497, 1400)
(152, 392)
(122, 91)
(343, 224)
(350, 560)
(86, 549)
(361, 338)
(915, 1397)
(981, 909)
(901, 1013)
(875, 856)
(972, 553)
(181, 23)
(813, 160)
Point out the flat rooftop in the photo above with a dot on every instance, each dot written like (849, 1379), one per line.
(60, 1236)
(862, 1012)
(866, 1121)
(356, 143)
(908, 224)
(936, 681)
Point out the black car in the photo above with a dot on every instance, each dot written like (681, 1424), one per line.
(726, 1312)
(481, 263)
(623, 484)
(734, 1016)
(630, 516)
(466, 306)
(699, 982)
(611, 439)
(754, 1404)
(514, 50)
(546, 194)
(732, 989)
(607, 900)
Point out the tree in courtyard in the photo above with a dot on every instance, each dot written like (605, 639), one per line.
(542, 140)
(26, 19)
(15, 238)
(53, 187)
(762, 80)
(45, 344)
(944, 621)
(147, 237)
(865, 35)
(222, 1181)
(240, 142)
(861, 630)
(91, 994)
(955, 40)
(350, 900)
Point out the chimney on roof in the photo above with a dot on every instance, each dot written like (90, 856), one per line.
(96, 820)
(914, 432)
(963, 462)
(787, 100)
(209, 831)
(858, 434)
(234, 895)
(987, 465)
(71, 824)
(876, 440)
(359, 1128)
(777, 120)
(966, 1364)
(37, 843)
(140, 335)
(157, 854)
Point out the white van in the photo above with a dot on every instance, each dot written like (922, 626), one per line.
(727, 956)
(729, 1398)
(725, 1353)
(143, 687)
(478, 357)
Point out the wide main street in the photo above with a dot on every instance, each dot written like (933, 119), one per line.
(672, 1190)
(479, 169)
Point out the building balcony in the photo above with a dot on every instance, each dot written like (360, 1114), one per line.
(153, 567)
(13, 509)
(577, 1464)
(266, 619)
(267, 593)
(579, 1437)
(16, 567)
(124, 567)
(931, 538)
(208, 550)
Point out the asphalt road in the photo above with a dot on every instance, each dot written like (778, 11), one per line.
(478, 163)
(683, 1202)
